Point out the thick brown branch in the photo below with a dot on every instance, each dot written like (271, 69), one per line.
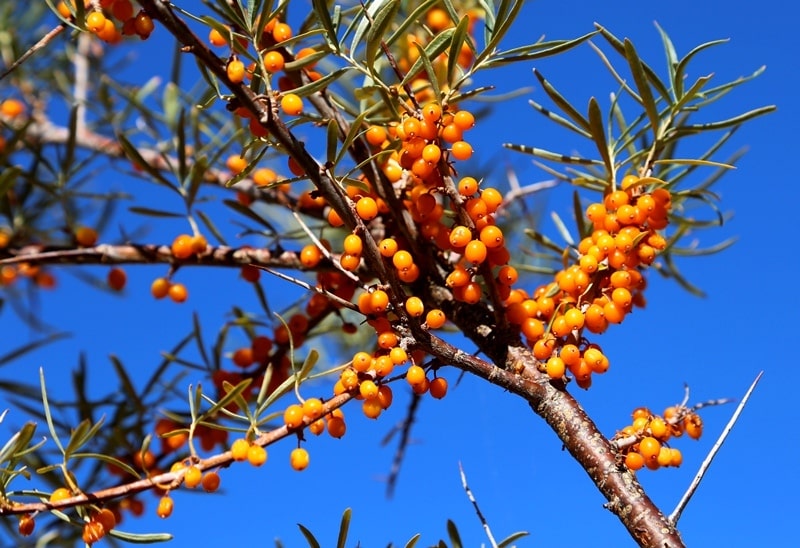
(580, 436)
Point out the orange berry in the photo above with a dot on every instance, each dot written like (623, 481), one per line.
(693, 426)
(236, 71)
(376, 135)
(192, 477)
(239, 449)
(475, 251)
(273, 61)
(62, 493)
(312, 408)
(291, 104)
(214, 36)
(402, 260)
(367, 208)
(293, 416)
(86, 236)
(210, 482)
(467, 186)
(298, 459)
(26, 525)
(634, 461)
(414, 307)
(492, 236)
(415, 375)
(165, 506)
(178, 293)
(160, 288)
(435, 318)
(555, 367)
(438, 388)
(676, 458)
(143, 25)
(93, 531)
(362, 362)
(649, 447)
(256, 455)
(461, 150)
(281, 32)
(12, 108)
(310, 256)
(116, 279)
(95, 21)
(388, 247)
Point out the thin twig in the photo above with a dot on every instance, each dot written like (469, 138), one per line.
(46, 39)
(676, 514)
(405, 434)
(474, 502)
(308, 286)
(81, 62)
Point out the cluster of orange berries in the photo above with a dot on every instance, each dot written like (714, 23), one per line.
(274, 35)
(99, 21)
(100, 522)
(600, 289)
(652, 432)
(311, 413)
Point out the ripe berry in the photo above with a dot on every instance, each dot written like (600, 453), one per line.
(367, 208)
(281, 32)
(210, 482)
(293, 416)
(336, 427)
(116, 279)
(62, 493)
(475, 251)
(85, 236)
(93, 531)
(649, 447)
(312, 408)
(95, 21)
(461, 150)
(299, 459)
(435, 318)
(214, 36)
(165, 506)
(192, 477)
(107, 519)
(438, 388)
(415, 375)
(634, 461)
(239, 449)
(415, 307)
(291, 104)
(273, 61)
(178, 293)
(310, 256)
(256, 455)
(26, 525)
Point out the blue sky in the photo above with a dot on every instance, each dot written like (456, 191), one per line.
(515, 466)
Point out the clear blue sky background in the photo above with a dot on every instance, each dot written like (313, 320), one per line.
(514, 463)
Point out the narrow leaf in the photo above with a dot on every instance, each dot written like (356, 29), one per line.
(562, 103)
(452, 532)
(511, 538)
(30, 347)
(312, 541)
(552, 156)
(680, 68)
(48, 416)
(343, 528)
(597, 129)
(320, 8)
(730, 122)
(560, 120)
(642, 85)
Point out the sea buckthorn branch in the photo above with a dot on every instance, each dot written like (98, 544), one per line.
(591, 449)
(43, 132)
(168, 480)
(223, 256)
